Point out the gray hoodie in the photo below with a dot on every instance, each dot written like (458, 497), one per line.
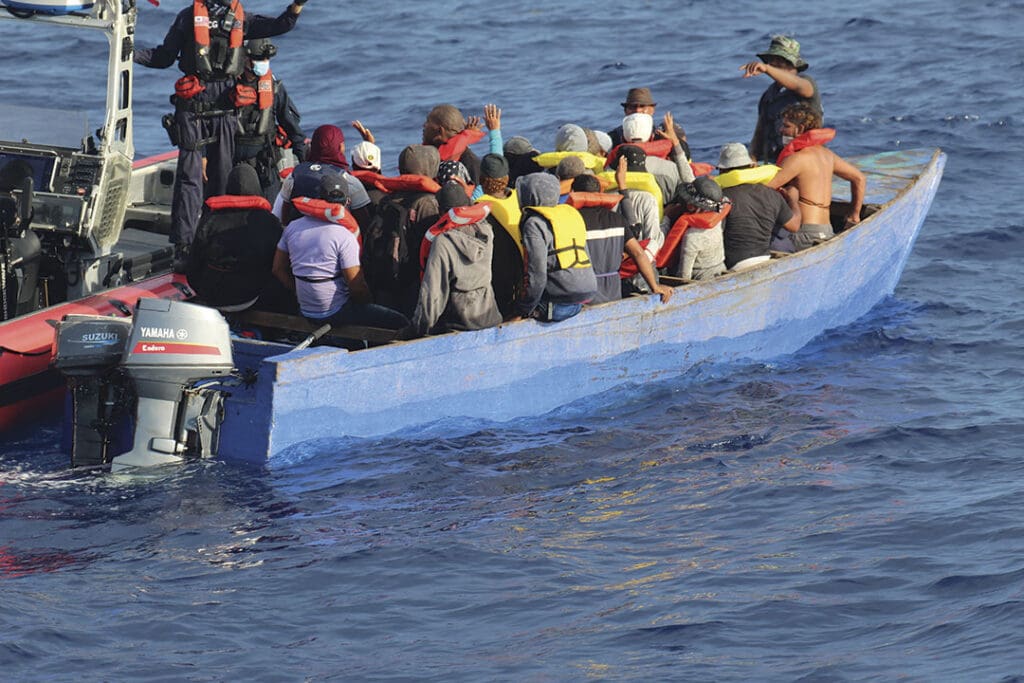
(545, 278)
(456, 293)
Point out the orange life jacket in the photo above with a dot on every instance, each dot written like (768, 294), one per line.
(456, 217)
(367, 177)
(234, 201)
(456, 145)
(660, 148)
(407, 182)
(234, 60)
(809, 138)
(668, 255)
(579, 200)
(700, 168)
(262, 95)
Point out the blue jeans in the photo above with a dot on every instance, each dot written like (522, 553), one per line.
(365, 315)
(548, 312)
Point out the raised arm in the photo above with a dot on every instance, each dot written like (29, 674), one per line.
(259, 26)
(788, 79)
(678, 155)
(165, 54)
(492, 117)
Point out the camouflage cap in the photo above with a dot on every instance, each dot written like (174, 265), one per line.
(787, 48)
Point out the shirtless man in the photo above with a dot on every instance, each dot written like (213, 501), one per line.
(809, 169)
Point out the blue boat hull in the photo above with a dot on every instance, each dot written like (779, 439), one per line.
(529, 368)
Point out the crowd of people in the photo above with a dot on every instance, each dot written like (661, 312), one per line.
(457, 241)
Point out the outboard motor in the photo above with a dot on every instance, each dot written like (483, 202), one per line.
(175, 353)
(87, 350)
(165, 364)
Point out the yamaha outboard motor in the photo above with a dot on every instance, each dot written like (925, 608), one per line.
(88, 349)
(175, 353)
(163, 367)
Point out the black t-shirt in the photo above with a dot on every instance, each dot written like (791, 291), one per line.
(756, 211)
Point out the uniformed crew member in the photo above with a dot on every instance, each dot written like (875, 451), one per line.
(206, 39)
(267, 118)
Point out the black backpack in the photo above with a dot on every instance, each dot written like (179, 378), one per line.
(382, 258)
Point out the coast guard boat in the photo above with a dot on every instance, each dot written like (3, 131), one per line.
(86, 233)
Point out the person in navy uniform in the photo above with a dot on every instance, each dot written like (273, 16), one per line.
(207, 41)
(268, 120)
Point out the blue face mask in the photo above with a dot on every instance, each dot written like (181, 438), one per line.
(261, 68)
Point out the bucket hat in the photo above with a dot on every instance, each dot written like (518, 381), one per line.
(734, 155)
(787, 48)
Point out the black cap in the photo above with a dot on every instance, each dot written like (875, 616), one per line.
(451, 195)
(636, 157)
(332, 189)
(494, 166)
(586, 183)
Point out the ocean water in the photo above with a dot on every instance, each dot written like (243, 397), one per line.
(851, 512)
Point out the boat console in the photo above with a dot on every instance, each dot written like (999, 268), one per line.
(65, 183)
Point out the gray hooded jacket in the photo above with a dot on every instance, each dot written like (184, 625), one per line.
(545, 278)
(456, 292)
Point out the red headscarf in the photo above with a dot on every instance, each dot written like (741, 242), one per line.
(325, 147)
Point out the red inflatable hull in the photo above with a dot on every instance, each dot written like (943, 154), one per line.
(29, 388)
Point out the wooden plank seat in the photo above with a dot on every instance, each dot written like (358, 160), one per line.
(295, 323)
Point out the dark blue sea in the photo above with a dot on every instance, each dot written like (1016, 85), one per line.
(851, 512)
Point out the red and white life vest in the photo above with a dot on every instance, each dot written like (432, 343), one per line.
(328, 211)
(456, 217)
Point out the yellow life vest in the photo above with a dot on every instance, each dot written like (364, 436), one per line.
(551, 159)
(638, 180)
(508, 213)
(570, 233)
(756, 175)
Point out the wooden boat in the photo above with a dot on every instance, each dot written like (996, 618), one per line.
(313, 397)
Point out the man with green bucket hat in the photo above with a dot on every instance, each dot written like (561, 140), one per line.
(782, 62)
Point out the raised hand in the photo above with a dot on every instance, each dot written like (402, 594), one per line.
(364, 131)
(492, 116)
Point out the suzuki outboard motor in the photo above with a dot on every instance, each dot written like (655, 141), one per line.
(174, 355)
(87, 350)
